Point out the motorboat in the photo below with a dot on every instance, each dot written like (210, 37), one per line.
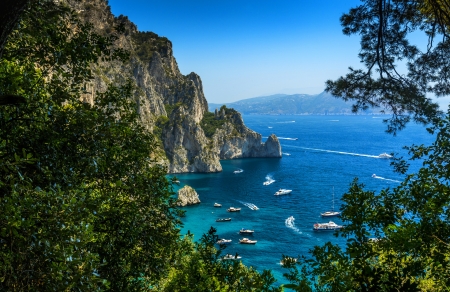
(232, 257)
(246, 231)
(238, 171)
(282, 192)
(330, 226)
(385, 156)
(233, 209)
(331, 213)
(374, 175)
(247, 241)
(224, 241)
(223, 219)
(217, 205)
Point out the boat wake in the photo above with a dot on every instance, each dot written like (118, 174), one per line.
(269, 180)
(283, 138)
(238, 171)
(382, 178)
(249, 205)
(286, 122)
(289, 222)
(341, 152)
(287, 154)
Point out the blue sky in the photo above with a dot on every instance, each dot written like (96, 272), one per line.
(243, 49)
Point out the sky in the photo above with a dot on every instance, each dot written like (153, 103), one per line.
(249, 48)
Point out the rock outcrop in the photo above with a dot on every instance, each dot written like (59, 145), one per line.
(187, 196)
(170, 104)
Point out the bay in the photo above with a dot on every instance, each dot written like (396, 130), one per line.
(320, 153)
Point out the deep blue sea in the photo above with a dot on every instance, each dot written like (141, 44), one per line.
(329, 153)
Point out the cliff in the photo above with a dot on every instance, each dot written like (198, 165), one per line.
(170, 104)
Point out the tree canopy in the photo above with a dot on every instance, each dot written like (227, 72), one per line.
(385, 27)
(397, 239)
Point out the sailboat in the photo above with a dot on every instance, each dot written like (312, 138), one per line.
(331, 213)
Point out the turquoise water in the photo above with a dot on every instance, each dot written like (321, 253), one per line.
(329, 153)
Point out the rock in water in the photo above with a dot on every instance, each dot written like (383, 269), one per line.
(187, 196)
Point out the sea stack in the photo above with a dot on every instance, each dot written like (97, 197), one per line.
(187, 196)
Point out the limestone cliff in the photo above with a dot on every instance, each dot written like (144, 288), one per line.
(170, 104)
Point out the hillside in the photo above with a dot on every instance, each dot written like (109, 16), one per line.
(294, 104)
(170, 104)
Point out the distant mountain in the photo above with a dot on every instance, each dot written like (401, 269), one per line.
(293, 104)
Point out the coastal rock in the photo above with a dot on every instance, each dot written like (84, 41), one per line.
(235, 140)
(187, 196)
(170, 104)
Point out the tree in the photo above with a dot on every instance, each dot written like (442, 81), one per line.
(385, 28)
(397, 239)
(83, 206)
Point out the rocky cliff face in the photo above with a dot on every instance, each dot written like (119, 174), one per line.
(170, 104)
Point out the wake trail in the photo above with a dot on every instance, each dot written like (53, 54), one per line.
(337, 152)
(269, 180)
(249, 205)
(289, 222)
(388, 179)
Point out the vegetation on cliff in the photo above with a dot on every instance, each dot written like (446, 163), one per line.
(82, 205)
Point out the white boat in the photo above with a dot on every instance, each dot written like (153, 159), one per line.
(331, 213)
(232, 257)
(374, 175)
(282, 192)
(238, 171)
(246, 231)
(223, 219)
(385, 155)
(217, 205)
(330, 226)
(224, 241)
(233, 209)
(247, 241)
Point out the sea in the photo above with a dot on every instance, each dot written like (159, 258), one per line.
(322, 155)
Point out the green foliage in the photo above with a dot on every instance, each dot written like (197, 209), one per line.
(210, 123)
(201, 269)
(149, 42)
(82, 205)
(385, 28)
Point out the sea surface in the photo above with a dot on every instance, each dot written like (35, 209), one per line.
(321, 154)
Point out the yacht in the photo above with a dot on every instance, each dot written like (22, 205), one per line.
(232, 257)
(224, 241)
(385, 155)
(282, 192)
(331, 213)
(223, 219)
(217, 205)
(233, 209)
(247, 241)
(330, 226)
(246, 231)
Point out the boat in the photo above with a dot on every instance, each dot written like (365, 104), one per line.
(224, 241)
(330, 226)
(238, 171)
(385, 155)
(233, 209)
(217, 205)
(374, 175)
(331, 213)
(282, 192)
(247, 241)
(223, 219)
(232, 257)
(246, 231)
